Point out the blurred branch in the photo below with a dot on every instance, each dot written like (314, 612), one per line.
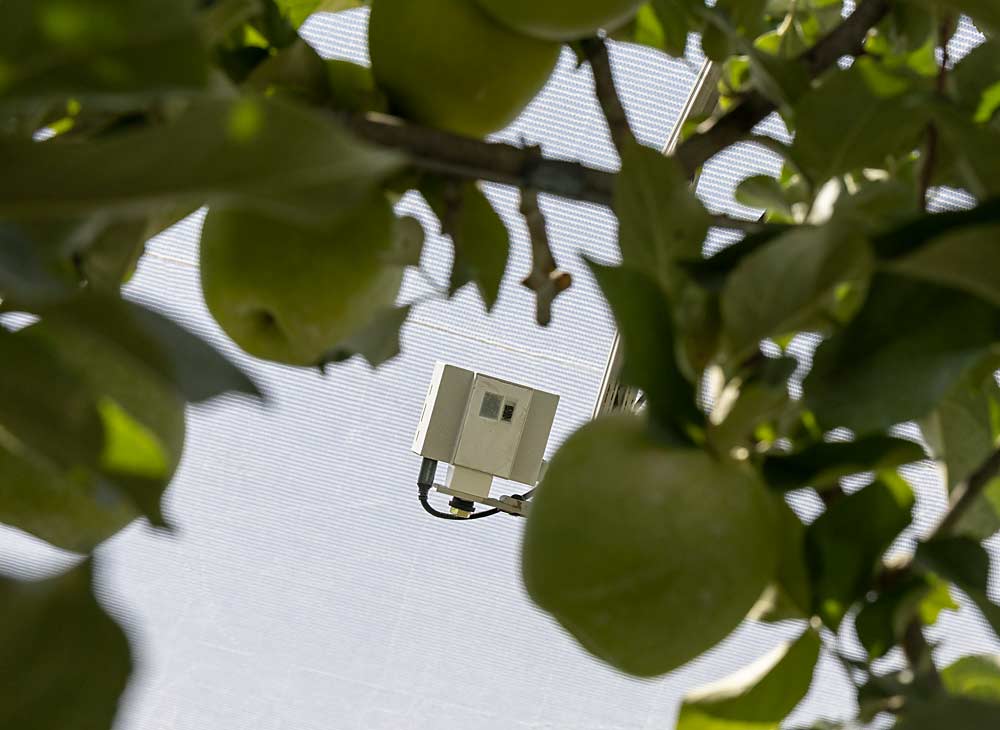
(545, 279)
(966, 494)
(433, 150)
(846, 39)
(596, 51)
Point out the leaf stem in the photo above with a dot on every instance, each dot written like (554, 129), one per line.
(545, 279)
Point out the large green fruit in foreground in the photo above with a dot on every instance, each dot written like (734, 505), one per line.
(561, 20)
(648, 555)
(291, 293)
(445, 63)
(76, 509)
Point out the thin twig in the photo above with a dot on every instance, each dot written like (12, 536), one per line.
(433, 150)
(545, 279)
(930, 160)
(846, 39)
(596, 51)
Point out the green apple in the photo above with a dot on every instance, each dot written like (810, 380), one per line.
(290, 293)
(447, 64)
(563, 20)
(648, 555)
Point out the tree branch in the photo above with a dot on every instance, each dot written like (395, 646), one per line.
(967, 493)
(846, 39)
(545, 279)
(596, 51)
(432, 150)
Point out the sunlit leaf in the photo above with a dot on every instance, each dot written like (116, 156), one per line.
(977, 677)
(881, 623)
(758, 697)
(964, 562)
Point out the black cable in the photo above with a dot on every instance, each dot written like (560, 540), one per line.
(428, 470)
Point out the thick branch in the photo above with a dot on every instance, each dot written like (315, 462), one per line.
(433, 150)
(846, 39)
(596, 51)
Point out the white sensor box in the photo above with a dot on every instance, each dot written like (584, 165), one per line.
(486, 424)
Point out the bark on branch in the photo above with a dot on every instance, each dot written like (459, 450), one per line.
(596, 51)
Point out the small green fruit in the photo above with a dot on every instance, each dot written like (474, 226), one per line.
(648, 555)
(291, 293)
(561, 20)
(445, 63)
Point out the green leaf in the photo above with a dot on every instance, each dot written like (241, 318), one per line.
(821, 465)
(915, 233)
(480, 238)
(758, 697)
(408, 242)
(975, 79)
(975, 149)
(154, 344)
(30, 273)
(881, 623)
(99, 50)
(660, 219)
(967, 259)
(296, 162)
(845, 544)
(298, 11)
(664, 25)
(790, 595)
(949, 712)
(965, 427)
(45, 406)
(79, 504)
(377, 342)
(964, 562)
(977, 677)
(765, 192)
(811, 263)
(645, 323)
(902, 353)
(51, 630)
(857, 118)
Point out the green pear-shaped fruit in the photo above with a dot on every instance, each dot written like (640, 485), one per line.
(291, 293)
(648, 555)
(447, 64)
(76, 509)
(562, 20)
